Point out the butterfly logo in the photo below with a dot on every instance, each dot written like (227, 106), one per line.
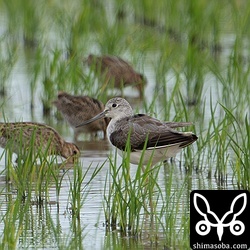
(203, 227)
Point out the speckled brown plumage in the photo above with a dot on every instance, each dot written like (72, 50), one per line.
(115, 70)
(19, 136)
(77, 109)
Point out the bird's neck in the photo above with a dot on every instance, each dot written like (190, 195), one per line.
(113, 124)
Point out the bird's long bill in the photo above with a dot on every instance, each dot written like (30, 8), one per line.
(99, 116)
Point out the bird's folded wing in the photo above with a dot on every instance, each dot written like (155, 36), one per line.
(141, 129)
(170, 138)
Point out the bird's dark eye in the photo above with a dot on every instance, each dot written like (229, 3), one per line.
(75, 152)
(114, 105)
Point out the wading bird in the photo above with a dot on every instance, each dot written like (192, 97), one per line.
(42, 140)
(159, 139)
(114, 70)
(77, 109)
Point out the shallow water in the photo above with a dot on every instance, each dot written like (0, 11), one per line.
(16, 107)
(94, 153)
(92, 219)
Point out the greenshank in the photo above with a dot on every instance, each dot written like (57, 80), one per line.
(159, 139)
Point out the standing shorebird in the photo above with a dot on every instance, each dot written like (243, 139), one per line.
(159, 139)
(20, 137)
(116, 71)
(77, 109)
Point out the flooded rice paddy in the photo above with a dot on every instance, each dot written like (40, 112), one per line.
(84, 206)
(56, 213)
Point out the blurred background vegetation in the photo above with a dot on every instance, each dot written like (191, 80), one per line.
(195, 55)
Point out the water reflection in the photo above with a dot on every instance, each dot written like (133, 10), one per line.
(98, 148)
(53, 224)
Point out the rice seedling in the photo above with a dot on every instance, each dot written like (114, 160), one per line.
(10, 10)
(239, 144)
(30, 185)
(171, 42)
(49, 84)
(34, 66)
(205, 146)
(36, 178)
(76, 193)
(64, 74)
(8, 56)
(233, 83)
(33, 162)
(213, 146)
(30, 22)
(130, 200)
(194, 76)
(12, 230)
(79, 188)
(167, 214)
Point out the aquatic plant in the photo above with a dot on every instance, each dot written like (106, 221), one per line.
(191, 52)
